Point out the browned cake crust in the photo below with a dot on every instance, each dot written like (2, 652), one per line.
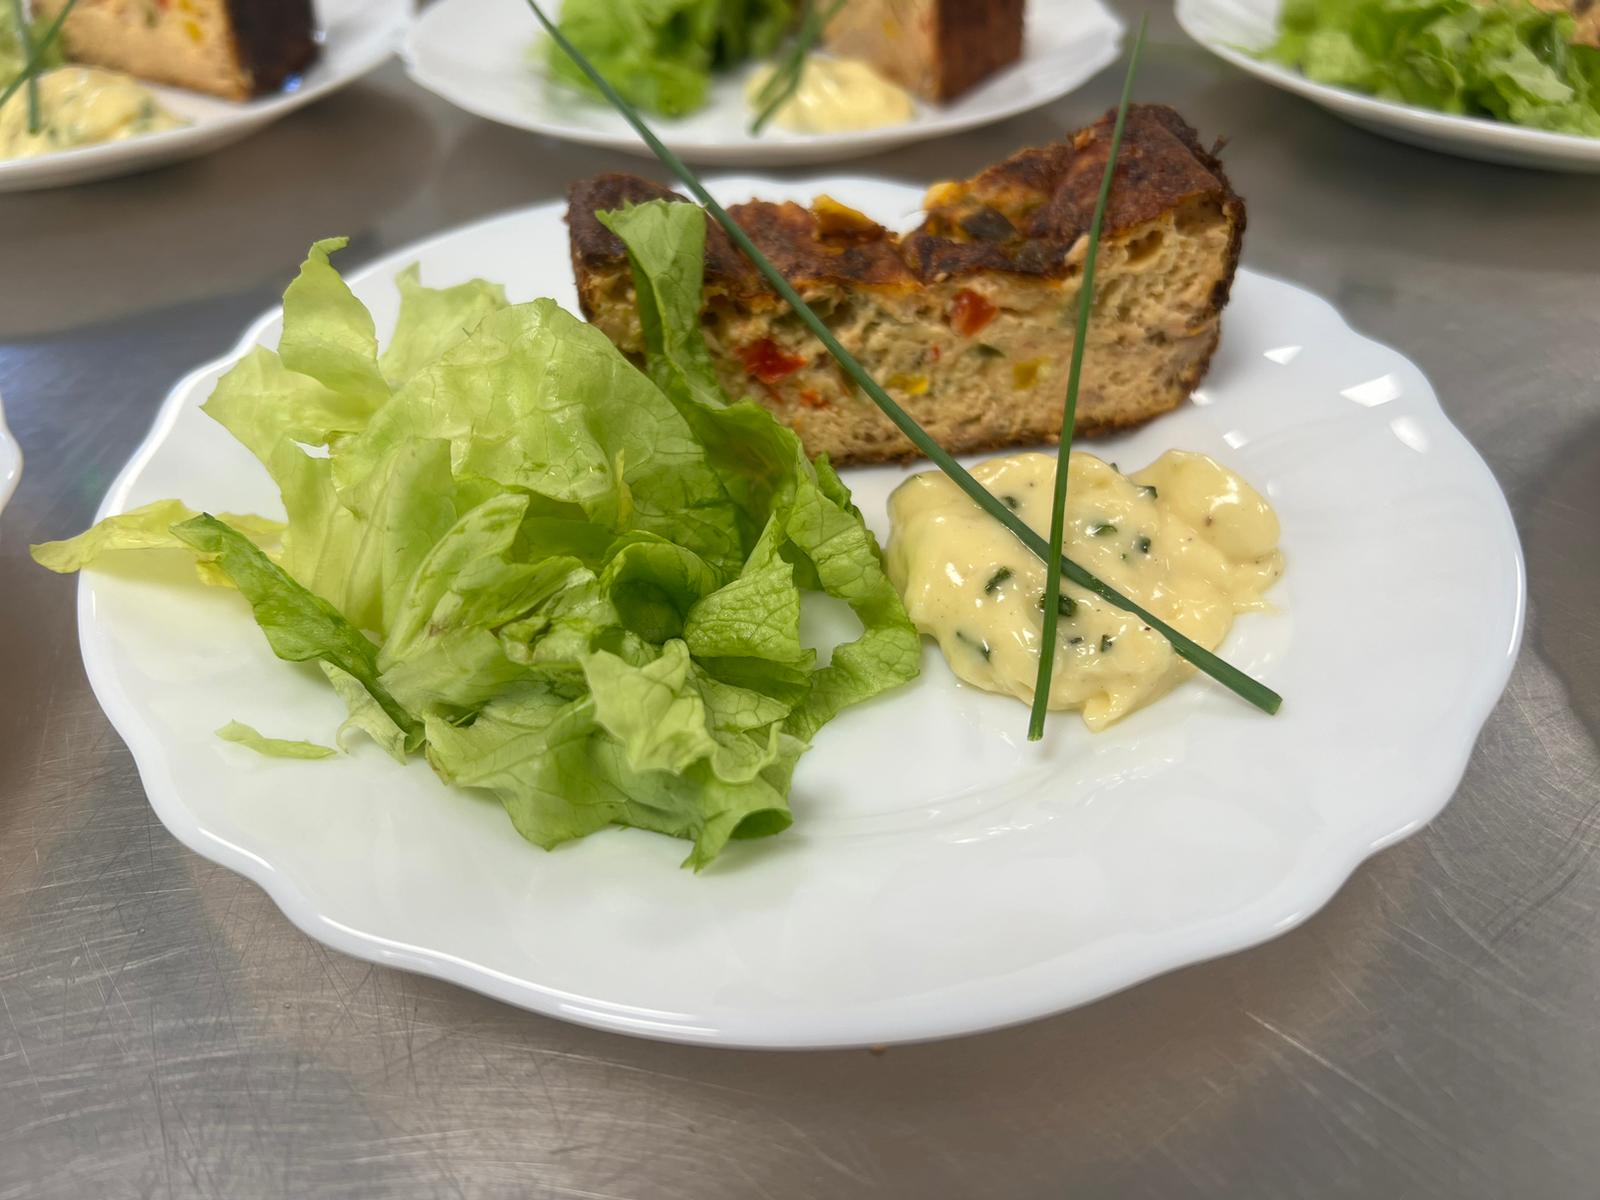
(976, 38)
(276, 40)
(967, 320)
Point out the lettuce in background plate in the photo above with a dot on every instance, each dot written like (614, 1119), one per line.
(1506, 59)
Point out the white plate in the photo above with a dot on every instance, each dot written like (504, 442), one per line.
(942, 875)
(475, 53)
(357, 36)
(10, 461)
(1231, 28)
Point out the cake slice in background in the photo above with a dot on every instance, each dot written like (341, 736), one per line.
(935, 48)
(236, 49)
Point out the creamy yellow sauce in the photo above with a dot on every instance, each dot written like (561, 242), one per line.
(837, 95)
(80, 106)
(1185, 537)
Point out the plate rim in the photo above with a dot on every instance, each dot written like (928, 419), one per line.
(1294, 900)
(102, 160)
(1374, 111)
(810, 148)
(11, 460)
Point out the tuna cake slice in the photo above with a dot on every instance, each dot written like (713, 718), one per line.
(935, 48)
(235, 49)
(968, 321)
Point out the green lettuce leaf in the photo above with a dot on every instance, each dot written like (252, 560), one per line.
(804, 508)
(660, 716)
(367, 716)
(751, 28)
(148, 527)
(537, 401)
(849, 566)
(1505, 59)
(756, 615)
(563, 580)
(561, 776)
(654, 585)
(434, 319)
(328, 334)
(659, 55)
(262, 403)
(241, 734)
(300, 626)
(666, 245)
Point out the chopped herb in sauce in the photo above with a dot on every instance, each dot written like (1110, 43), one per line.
(1143, 545)
(977, 644)
(1102, 529)
(995, 580)
(1148, 492)
(1065, 604)
(984, 350)
(1011, 502)
(1106, 642)
(1074, 641)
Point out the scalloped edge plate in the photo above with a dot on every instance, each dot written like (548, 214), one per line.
(943, 875)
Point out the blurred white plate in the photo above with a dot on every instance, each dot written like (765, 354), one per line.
(1232, 28)
(357, 36)
(475, 53)
(10, 461)
(943, 875)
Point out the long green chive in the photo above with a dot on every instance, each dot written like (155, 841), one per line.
(25, 37)
(30, 69)
(786, 77)
(1257, 693)
(1069, 412)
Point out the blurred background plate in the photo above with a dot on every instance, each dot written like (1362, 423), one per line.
(479, 55)
(357, 36)
(10, 461)
(1232, 29)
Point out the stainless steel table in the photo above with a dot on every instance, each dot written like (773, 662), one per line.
(1433, 1032)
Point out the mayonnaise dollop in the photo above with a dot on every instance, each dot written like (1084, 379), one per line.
(837, 95)
(1186, 538)
(80, 106)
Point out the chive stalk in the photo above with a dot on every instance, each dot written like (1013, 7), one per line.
(30, 69)
(1069, 412)
(1225, 673)
(25, 37)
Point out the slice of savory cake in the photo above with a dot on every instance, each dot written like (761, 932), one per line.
(935, 48)
(969, 320)
(235, 49)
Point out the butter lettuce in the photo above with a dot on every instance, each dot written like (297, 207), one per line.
(660, 53)
(803, 510)
(563, 580)
(1505, 59)
(252, 739)
(300, 627)
(149, 527)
